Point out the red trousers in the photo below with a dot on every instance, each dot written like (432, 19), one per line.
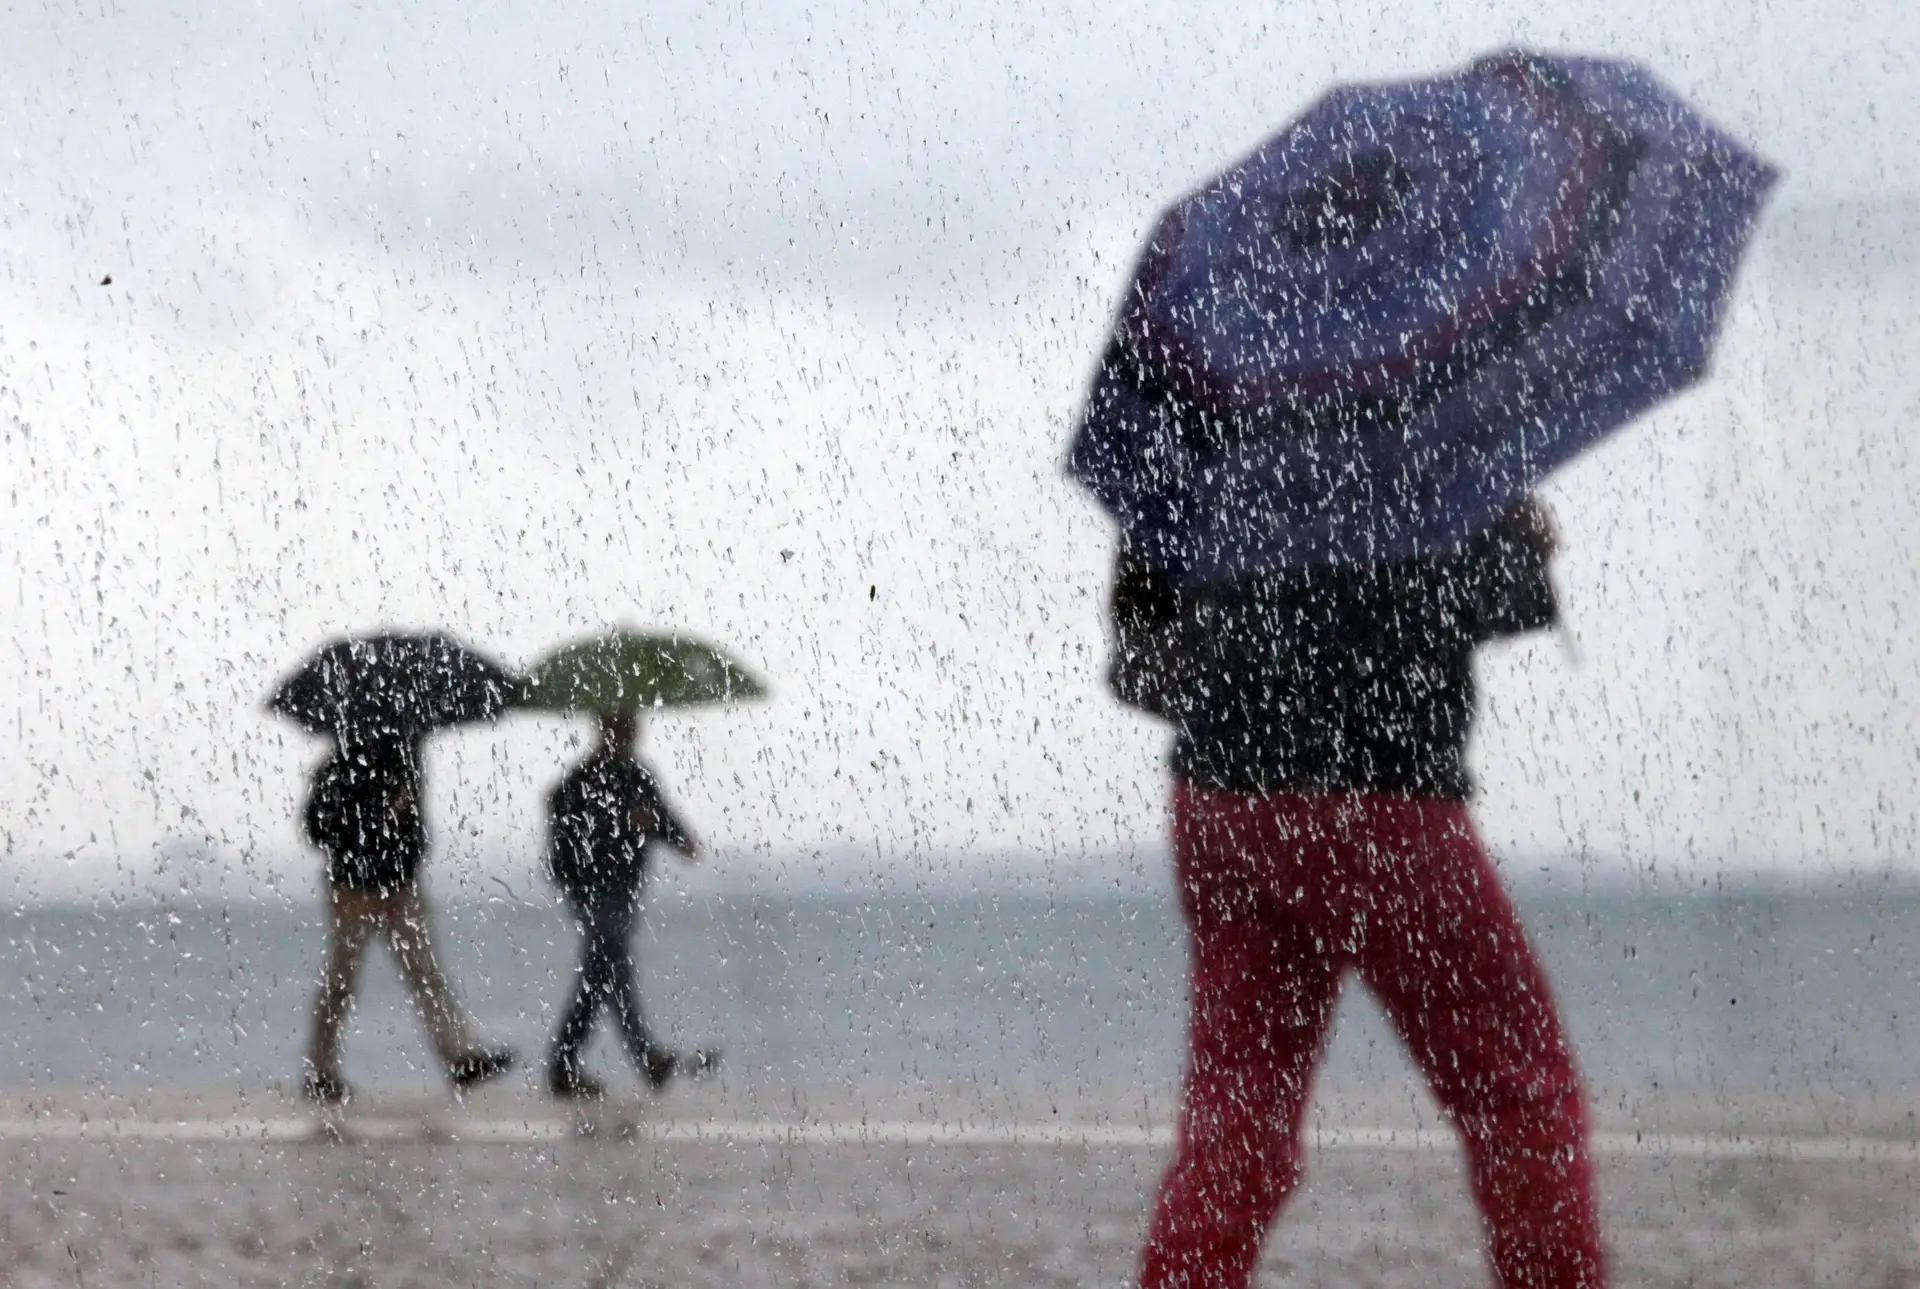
(1283, 894)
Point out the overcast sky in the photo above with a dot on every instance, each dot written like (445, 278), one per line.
(527, 320)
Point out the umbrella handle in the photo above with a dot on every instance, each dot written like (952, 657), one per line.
(1569, 642)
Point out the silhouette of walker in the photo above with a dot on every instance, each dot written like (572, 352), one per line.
(378, 696)
(604, 817)
(1337, 374)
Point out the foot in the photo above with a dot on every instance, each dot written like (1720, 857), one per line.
(323, 1089)
(663, 1065)
(475, 1068)
(574, 1085)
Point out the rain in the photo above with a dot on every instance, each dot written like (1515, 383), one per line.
(589, 515)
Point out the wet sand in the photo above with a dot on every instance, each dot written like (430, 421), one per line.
(960, 1185)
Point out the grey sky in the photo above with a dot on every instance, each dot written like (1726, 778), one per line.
(527, 320)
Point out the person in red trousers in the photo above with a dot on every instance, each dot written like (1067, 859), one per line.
(1320, 828)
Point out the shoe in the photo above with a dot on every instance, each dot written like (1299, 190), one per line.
(663, 1065)
(574, 1085)
(324, 1089)
(476, 1068)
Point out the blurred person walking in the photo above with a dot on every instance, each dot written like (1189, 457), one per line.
(1320, 827)
(603, 818)
(377, 697)
(1339, 371)
(364, 814)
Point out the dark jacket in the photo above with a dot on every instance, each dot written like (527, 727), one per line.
(601, 816)
(364, 814)
(1346, 678)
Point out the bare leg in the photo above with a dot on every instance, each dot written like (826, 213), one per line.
(351, 917)
(446, 1021)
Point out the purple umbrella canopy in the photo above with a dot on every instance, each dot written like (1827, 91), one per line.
(1375, 334)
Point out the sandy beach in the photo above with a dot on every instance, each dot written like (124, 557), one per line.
(958, 1184)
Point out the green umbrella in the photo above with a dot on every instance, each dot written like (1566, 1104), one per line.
(634, 671)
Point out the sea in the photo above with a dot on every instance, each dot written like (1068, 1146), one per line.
(1742, 988)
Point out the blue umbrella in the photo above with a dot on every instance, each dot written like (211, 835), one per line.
(1375, 334)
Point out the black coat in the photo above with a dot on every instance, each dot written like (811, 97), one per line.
(1344, 678)
(602, 815)
(364, 814)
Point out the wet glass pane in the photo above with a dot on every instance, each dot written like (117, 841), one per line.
(879, 644)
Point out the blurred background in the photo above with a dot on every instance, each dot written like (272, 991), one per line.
(769, 323)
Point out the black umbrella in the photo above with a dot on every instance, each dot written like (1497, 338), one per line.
(393, 685)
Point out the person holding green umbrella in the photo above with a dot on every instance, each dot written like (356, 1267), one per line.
(603, 818)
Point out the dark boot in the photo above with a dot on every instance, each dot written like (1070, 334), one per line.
(661, 1066)
(475, 1068)
(569, 1082)
(664, 1065)
(324, 1089)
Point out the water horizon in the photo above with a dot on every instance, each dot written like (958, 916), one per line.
(1739, 989)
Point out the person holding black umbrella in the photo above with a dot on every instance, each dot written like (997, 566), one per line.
(364, 814)
(377, 697)
(1340, 369)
